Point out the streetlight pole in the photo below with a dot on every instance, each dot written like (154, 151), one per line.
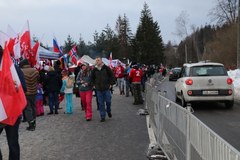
(238, 36)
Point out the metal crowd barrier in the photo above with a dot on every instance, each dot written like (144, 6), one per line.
(180, 134)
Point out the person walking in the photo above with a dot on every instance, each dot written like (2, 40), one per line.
(136, 75)
(85, 89)
(102, 79)
(126, 79)
(53, 86)
(67, 89)
(31, 77)
(119, 74)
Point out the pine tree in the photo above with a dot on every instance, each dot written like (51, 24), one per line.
(148, 41)
(68, 44)
(82, 47)
(124, 35)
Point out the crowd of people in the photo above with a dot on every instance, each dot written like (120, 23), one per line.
(48, 85)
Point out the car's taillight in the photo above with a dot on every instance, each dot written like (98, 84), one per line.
(189, 82)
(229, 81)
(189, 92)
(230, 92)
(170, 72)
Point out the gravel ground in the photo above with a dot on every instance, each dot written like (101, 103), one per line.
(71, 137)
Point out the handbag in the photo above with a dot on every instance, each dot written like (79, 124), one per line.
(76, 90)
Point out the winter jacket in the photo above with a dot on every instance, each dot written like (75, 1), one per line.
(102, 78)
(64, 87)
(31, 77)
(119, 72)
(83, 81)
(136, 75)
(53, 82)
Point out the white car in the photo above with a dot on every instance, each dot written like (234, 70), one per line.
(204, 82)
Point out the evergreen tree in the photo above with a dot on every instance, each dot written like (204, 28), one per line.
(82, 47)
(148, 41)
(124, 35)
(105, 42)
(68, 44)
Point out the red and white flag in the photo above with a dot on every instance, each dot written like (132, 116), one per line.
(25, 42)
(12, 97)
(13, 43)
(35, 57)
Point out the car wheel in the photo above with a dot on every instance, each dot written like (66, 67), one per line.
(183, 102)
(229, 104)
(176, 98)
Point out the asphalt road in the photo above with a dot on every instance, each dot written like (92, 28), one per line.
(71, 137)
(224, 122)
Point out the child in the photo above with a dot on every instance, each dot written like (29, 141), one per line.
(67, 89)
(39, 100)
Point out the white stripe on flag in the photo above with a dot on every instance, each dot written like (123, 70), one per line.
(15, 75)
(3, 114)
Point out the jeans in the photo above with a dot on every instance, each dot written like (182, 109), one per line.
(12, 139)
(121, 84)
(104, 97)
(127, 87)
(53, 101)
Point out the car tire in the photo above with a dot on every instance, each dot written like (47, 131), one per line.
(176, 98)
(183, 102)
(229, 104)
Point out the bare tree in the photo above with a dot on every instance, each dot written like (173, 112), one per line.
(181, 24)
(181, 28)
(225, 11)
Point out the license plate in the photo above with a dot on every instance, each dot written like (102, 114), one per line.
(210, 92)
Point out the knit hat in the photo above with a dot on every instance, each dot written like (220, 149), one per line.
(84, 64)
(23, 63)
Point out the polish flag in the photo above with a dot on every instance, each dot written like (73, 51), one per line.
(12, 97)
(25, 42)
(13, 43)
(35, 57)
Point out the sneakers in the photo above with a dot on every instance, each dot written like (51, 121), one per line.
(109, 114)
(102, 120)
(88, 119)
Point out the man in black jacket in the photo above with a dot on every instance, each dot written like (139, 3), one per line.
(103, 79)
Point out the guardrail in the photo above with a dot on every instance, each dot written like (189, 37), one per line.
(180, 134)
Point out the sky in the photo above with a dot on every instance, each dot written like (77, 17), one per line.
(60, 18)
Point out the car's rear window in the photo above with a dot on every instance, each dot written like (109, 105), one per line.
(212, 70)
(176, 70)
